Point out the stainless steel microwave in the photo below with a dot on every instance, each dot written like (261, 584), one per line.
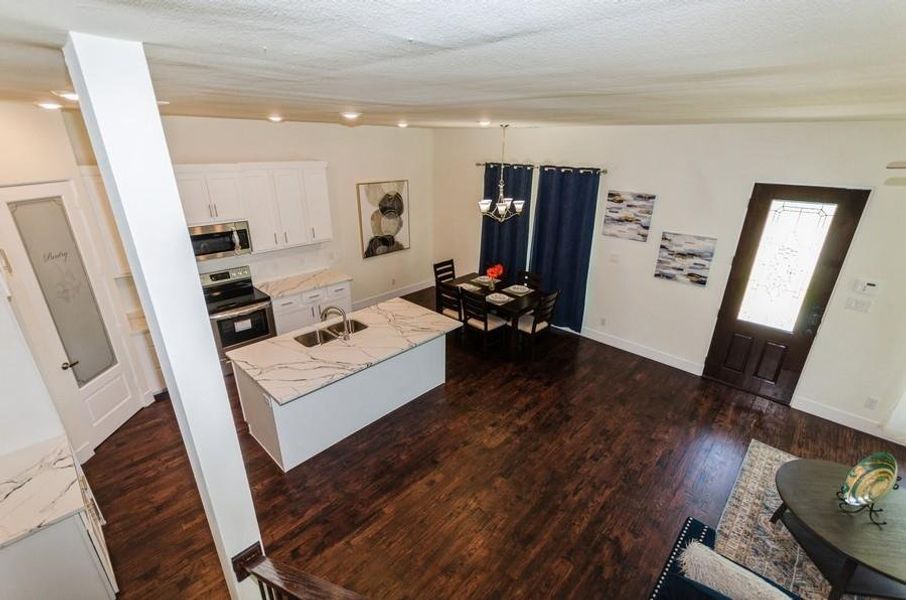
(220, 240)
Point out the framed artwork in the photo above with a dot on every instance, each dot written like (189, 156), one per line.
(383, 216)
(627, 215)
(685, 258)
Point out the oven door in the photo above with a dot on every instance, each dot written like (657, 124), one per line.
(242, 326)
(221, 240)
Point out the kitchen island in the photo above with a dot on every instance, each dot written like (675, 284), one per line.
(300, 400)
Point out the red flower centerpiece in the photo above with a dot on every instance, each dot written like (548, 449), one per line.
(494, 272)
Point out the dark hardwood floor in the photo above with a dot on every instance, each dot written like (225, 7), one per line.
(566, 477)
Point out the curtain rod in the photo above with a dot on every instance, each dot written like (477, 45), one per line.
(601, 170)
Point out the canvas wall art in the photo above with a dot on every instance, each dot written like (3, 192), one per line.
(384, 216)
(685, 258)
(628, 215)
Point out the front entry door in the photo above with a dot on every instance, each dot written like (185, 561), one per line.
(69, 328)
(790, 252)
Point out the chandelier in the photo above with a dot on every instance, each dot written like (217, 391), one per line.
(504, 208)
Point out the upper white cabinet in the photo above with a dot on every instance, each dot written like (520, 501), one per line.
(315, 177)
(286, 203)
(209, 193)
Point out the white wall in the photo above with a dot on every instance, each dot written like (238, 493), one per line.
(353, 154)
(30, 151)
(703, 176)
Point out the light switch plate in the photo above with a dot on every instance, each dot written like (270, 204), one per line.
(866, 287)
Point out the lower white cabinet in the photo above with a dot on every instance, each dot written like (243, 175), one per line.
(59, 562)
(301, 310)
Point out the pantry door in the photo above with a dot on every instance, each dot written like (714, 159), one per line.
(69, 327)
(790, 252)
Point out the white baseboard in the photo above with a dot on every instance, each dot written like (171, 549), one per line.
(83, 453)
(844, 417)
(646, 351)
(364, 302)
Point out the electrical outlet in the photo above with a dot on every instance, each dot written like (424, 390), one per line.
(615, 259)
(857, 304)
(393, 282)
(871, 403)
(603, 322)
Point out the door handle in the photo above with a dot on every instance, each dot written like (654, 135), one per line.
(285, 238)
(68, 365)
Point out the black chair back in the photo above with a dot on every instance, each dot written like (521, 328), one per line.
(474, 306)
(544, 312)
(444, 271)
(532, 280)
(449, 298)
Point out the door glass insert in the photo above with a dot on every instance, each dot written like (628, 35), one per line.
(51, 247)
(785, 261)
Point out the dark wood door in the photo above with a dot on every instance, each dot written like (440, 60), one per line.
(791, 249)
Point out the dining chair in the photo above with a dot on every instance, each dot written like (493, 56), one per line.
(449, 301)
(476, 317)
(532, 280)
(444, 271)
(532, 325)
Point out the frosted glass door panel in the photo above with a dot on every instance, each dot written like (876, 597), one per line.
(785, 261)
(57, 263)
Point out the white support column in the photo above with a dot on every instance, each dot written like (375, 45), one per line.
(120, 110)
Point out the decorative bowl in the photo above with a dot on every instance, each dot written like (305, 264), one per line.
(870, 479)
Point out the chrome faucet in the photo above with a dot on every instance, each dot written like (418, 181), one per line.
(330, 309)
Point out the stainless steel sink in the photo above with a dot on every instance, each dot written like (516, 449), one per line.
(316, 337)
(354, 327)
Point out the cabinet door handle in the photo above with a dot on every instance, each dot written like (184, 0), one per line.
(211, 210)
(313, 236)
(285, 239)
(275, 238)
(216, 214)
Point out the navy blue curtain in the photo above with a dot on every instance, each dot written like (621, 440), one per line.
(506, 243)
(564, 228)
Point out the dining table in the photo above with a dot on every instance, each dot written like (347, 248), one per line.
(512, 310)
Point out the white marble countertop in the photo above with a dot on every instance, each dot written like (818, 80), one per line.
(286, 369)
(39, 486)
(303, 282)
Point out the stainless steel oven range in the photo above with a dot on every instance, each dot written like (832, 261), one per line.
(240, 313)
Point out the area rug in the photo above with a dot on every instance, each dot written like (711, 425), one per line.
(745, 532)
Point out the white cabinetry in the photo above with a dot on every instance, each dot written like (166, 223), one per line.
(287, 204)
(304, 309)
(209, 193)
(315, 177)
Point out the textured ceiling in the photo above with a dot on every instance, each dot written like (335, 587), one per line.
(439, 62)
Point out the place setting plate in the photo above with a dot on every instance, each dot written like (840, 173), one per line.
(498, 298)
(518, 290)
(484, 280)
(469, 287)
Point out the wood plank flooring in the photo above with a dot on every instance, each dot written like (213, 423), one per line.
(566, 477)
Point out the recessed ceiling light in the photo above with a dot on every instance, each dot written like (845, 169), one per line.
(484, 122)
(163, 102)
(351, 115)
(66, 95)
(275, 118)
(49, 105)
(402, 124)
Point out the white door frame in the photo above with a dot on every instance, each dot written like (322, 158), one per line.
(97, 409)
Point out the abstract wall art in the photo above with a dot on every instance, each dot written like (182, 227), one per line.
(627, 215)
(384, 216)
(685, 258)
